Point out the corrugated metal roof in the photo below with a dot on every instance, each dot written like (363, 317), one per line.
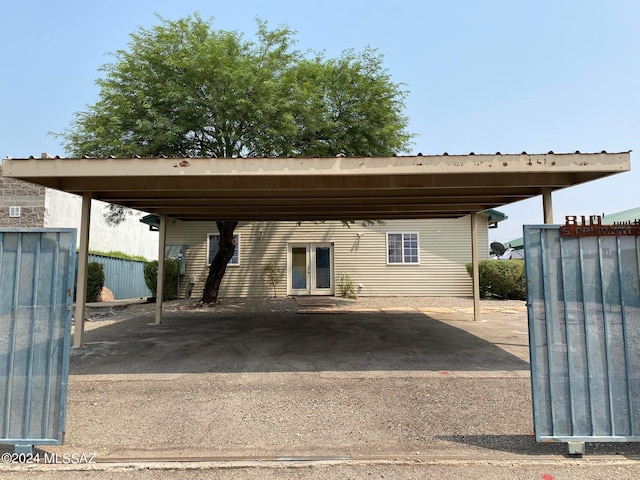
(340, 155)
(624, 216)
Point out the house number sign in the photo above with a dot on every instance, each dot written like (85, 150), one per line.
(591, 226)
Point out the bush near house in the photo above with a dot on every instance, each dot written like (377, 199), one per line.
(171, 277)
(347, 287)
(501, 278)
(95, 281)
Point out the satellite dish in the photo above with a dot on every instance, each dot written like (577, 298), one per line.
(497, 248)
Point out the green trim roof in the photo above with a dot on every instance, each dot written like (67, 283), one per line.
(151, 220)
(494, 216)
(624, 216)
(518, 243)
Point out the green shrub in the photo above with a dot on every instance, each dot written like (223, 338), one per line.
(171, 278)
(501, 278)
(95, 281)
(150, 272)
(346, 286)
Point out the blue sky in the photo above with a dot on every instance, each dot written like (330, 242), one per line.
(483, 76)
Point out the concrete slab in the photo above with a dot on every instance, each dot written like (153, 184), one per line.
(436, 310)
(207, 342)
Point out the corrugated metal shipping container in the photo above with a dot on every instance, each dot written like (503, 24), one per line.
(584, 329)
(36, 289)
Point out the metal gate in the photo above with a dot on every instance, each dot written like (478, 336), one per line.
(36, 289)
(583, 297)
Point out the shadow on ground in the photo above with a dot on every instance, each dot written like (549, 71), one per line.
(287, 342)
(526, 444)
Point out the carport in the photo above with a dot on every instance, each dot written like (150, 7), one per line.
(307, 189)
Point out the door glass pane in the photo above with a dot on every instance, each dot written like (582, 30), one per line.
(299, 268)
(323, 267)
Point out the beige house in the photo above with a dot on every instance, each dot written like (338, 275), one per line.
(397, 258)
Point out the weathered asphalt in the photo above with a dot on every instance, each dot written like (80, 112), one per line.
(395, 394)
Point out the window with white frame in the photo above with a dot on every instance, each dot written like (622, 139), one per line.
(15, 212)
(213, 245)
(402, 248)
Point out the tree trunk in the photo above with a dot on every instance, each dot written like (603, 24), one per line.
(227, 247)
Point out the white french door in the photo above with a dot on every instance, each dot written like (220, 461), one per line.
(310, 269)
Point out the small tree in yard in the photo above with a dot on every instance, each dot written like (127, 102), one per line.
(185, 88)
(272, 276)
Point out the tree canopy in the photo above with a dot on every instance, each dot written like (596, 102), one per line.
(186, 88)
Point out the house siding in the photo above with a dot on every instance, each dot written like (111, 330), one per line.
(444, 248)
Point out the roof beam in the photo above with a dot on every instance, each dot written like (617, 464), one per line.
(252, 183)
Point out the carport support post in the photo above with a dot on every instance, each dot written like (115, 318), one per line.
(554, 331)
(160, 285)
(547, 206)
(83, 262)
(476, 270)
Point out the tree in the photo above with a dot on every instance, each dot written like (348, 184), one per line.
(183, 88)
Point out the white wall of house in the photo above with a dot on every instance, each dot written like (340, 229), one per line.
(360, 252)
(63, 210)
